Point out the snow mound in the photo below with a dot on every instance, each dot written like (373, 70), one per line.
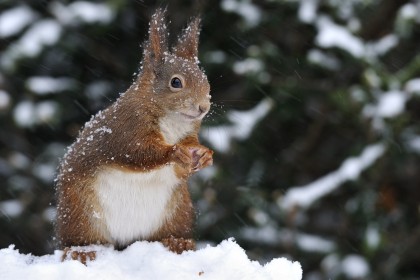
(144, 260)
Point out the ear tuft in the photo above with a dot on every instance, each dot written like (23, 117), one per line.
(187, 45)
(157, 44)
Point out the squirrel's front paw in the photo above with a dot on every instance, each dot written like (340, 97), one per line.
(178, 244)
(183, 156)
(201, 158)
(81, 256)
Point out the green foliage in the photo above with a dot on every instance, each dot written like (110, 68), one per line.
(325, 108)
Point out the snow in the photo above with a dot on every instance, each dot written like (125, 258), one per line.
(382, 46)
(323, 59)
(24, 113)
(372, 78)
(243, 123)
(82, 12)
(144, 260)
(413, 144)
(268, 234)
(355, 267)
(413, 86)
(44, 85)
(12, 21)
(250, 13)
(27, 113)
(19, 160)
(409, 11)
(391, 104)
(41, 34)
(104, 129)
(331, 265)
(4, 99)
(333, 35)
(372, 236)
(273, 236)
(352, 266)
(312, 243)
(11, 208)
(307, 10)
(246, 66)
(350, 169)
(345, 9)
(216, 57)
(258, 216)
(388, 105)
(50, 214)
(45, 172)
(97, 88)
(46, 111)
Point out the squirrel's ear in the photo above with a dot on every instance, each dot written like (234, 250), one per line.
(187, 45)
(157, 45)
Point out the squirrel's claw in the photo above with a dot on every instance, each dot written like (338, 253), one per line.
(178, 244)
(81, 256)
(202, 158)
(193, 158)
(182, 155)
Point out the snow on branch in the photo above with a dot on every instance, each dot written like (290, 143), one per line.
(14, 20)
(350, 169)
(82, 12)
(243, 123)
(332, 35)
(41, 34)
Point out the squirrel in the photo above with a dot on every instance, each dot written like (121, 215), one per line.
(125, 177)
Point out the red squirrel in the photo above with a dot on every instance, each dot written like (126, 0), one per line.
(125, 177)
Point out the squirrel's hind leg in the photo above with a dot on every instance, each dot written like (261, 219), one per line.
(78, 255)
(178, 244)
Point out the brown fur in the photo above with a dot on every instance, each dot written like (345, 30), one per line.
(127, 136)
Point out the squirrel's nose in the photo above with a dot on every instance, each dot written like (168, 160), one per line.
(203, 108)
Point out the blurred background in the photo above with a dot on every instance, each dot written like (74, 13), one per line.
(315, 122)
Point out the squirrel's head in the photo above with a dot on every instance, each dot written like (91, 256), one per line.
(173, 77)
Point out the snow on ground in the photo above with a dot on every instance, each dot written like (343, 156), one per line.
(143, 260)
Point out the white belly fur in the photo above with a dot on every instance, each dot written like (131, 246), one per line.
(134, 204)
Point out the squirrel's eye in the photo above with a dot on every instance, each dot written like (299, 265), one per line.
(176, 83)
